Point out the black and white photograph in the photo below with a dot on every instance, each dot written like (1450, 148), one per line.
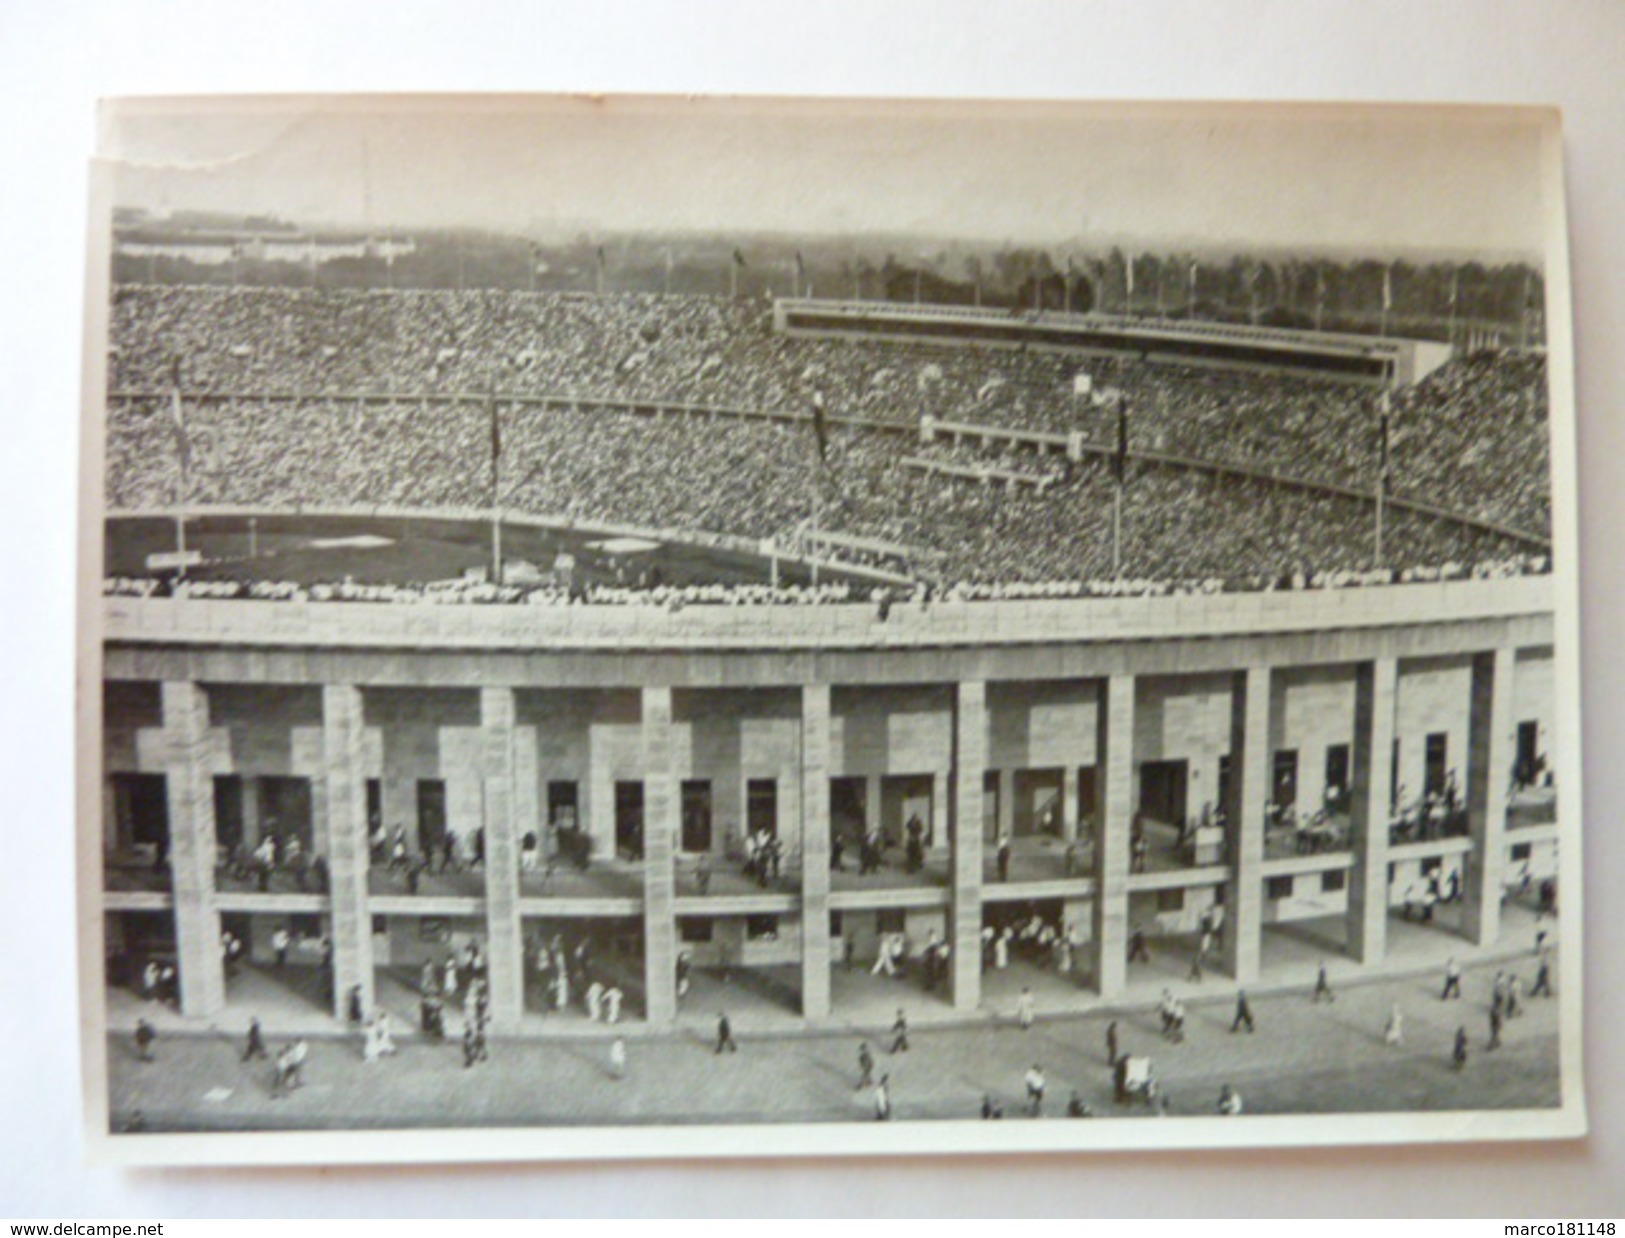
(652, 626)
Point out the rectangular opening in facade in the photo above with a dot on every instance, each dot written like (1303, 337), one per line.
(1284, 779)
(1040, 805)
(431, 815)
(696, 815)
(1163, 787)
(762, 806)
(629, 820)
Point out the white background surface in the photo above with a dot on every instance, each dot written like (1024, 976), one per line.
(57, 56)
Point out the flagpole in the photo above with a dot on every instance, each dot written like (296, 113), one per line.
(1382, 462)
(496, 493)
(1117, 490)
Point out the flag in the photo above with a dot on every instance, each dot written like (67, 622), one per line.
(1382, 446)
(739, 259)
(820, 430)
(496, 443)
(1128, 274)
(801, 270)
(1387, 288)
(1120, 461)
(1194, 266)
(1455, 286)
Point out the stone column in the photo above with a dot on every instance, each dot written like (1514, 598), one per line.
(1375, 688)
(941, 806)
(505, 943)
(1007, 803)
(1489, 774)
(814, 784)
(251, 811)
(871, 802)
(965, 905)
(1249, 762)
(1114, 821)
(344, 771)
(189, 787)
(660, 827)
(1070, 807)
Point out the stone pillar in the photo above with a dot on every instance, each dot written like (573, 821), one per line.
(814, 784)
(505, 952)
(871, 802)
(1375, 688)
(1070, 808)
(1007, 803)
(1489, 774)
(660, 829)
(596, 801)
(251, 811)
(1114, 821)
(1249, 762)
(189, 787)
(344, 771)
(941, 806)
(965, 904)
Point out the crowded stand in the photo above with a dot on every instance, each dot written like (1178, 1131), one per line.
(1470, 439)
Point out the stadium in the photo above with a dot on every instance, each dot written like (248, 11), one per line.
(793, 654)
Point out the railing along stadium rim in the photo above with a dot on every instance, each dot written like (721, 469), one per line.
(1037, 440)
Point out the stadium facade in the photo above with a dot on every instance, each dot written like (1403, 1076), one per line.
(1136, 760)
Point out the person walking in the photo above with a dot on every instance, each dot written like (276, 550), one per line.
(1394, 1033)
(1323, 986)
(1003, 858)
(1138, 951)
(617, 1058)
(1035, 1084)
(1111, 1043)
(1458, 1056)
(256, 1042)
(279, 944)
(899, 1033)
(866, 1067)
(1496, 1018)
(1244, 1014)
(1514, 1003)
(725, 1035)
(1498, 993)
(883, 1099)
(1229, 1102)
(145, 1034)
(1077, 1107)
(1024, 1009)
(613, 997)
(1543, 979)
(1452, 981)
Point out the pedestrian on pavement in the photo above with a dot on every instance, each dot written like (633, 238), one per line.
(282, 1080)
(1495, 1028)
(899, 1033)
(1394, 1033)
(1111, 1043)
(256, 1042)
(450, 984)
(613, 997)
(1229, 1102)
(617, 1058)
(1001, 950)
(685, 965)
(1024, 1009)
(1452, 981)
(1244, 1013)
(1543, 979)
(470, 1048)
(145, 1034)
(595, 1001)
(1077, 1107)
(725, 1035)
(1035, 1090)
(1138, 952)
(1498, 992)
(1458, 1057)
(1004, 857)
(1514, 1006)
(883, 1099)
(866, 1066)
(280, 942)
(991, 1109)
(298, 1051)
(1323, 986)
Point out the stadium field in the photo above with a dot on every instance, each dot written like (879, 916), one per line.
(311, 549)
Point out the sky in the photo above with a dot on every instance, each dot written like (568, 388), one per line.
(1393, 181)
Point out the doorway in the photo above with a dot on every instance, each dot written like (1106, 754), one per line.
(1162, 790)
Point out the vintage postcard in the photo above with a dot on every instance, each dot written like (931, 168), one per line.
(666, 627)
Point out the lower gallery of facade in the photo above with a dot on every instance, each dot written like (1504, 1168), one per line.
(320, 805)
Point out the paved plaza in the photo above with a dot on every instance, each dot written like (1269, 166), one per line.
(1328, 1057)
